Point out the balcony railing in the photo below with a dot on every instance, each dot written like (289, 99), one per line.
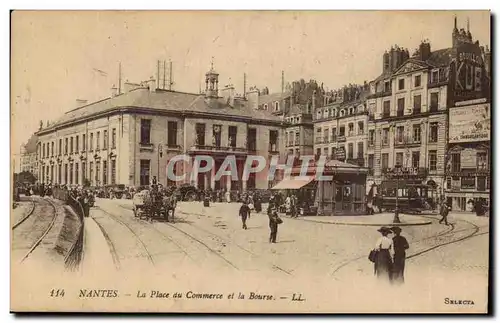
(145, 146)
(219, 148)
(406, 172)
(319, 140)
(407, 143)
(341, 138)
(326, 140)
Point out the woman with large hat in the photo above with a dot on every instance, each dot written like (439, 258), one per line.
(383, 260)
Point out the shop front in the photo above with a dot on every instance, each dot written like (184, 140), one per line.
(343, 194)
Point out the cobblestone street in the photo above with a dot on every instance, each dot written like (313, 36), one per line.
(206, 241)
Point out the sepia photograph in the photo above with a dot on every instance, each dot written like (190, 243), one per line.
(250, 161)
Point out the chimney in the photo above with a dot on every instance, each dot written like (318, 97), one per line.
(424, 51)
(314, 101)
(151, 84)
(228, 94)
(253, 98)
(80, 103)
(385, 62)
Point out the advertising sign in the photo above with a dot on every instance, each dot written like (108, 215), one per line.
(467, 71)
(470, 123)
(340, 154)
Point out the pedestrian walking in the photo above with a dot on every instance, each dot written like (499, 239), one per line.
(244, 214)
(274, 221)
(383, 260)
(400, 244)
(445, 209)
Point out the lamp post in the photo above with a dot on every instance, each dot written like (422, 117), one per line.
(160, 154)
(396, 211)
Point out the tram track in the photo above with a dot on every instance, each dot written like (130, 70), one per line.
(224, 240)
(141, 242)
(28, 214)
(45, 231)
(475, 229)
(239, 246)
(111, 246)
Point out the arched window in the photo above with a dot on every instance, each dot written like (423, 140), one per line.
(342, 112)
(276, 106)
(265, 106)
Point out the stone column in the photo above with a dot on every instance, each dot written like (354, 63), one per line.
(212, 177)
(228, 182)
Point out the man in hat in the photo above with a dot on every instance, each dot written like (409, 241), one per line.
(244, 213)
(445, 209)
(274, 220)
(400, 244)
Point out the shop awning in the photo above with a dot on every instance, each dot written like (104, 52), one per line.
(293, 183)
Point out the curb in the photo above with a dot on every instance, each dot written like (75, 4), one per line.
(372, 224)
(364, 224)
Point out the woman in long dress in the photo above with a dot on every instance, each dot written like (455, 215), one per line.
(383, 261)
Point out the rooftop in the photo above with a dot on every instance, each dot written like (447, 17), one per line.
(162, 100)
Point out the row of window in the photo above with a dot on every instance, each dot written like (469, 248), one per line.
(350, 151)
(276, 106)
(417, 105)
(403, 138)
(335, 112)
(417, 81)
(481, 161)
(69, 173)
(325, 136)
(251, 138)
(172, 130)
(72, 144)
(415, 160)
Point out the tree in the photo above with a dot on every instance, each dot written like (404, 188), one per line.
(25, 177)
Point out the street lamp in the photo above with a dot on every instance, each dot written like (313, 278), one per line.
(396, 211)
(160, 154)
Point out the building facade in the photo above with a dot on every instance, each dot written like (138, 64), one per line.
(340, 126)
(131, 137)
(468, 168)
(28, 156)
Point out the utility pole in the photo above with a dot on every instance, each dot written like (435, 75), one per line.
(170, 81)
(120, 78)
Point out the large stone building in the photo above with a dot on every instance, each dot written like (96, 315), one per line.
(408, 106)
(340, 126)
(28, 156)
(468, 175)
(130, 137)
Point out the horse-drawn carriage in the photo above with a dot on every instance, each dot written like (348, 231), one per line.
(152, 204)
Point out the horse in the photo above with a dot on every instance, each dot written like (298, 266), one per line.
(169, 204)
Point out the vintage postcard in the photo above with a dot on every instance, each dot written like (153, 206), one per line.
(250, 161)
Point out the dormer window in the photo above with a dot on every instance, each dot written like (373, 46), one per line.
(265, 106)
(435, 76)
(351, 110)
(318, 114)
(276, 106)
(342, 112)
(387, 86)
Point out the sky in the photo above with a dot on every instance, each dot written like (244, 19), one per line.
(58, 57)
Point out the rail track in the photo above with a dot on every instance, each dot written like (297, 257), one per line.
(211, 250)
(30, 231)
(112, 248)
(28, 214)
(448, 231)
(111, 245)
